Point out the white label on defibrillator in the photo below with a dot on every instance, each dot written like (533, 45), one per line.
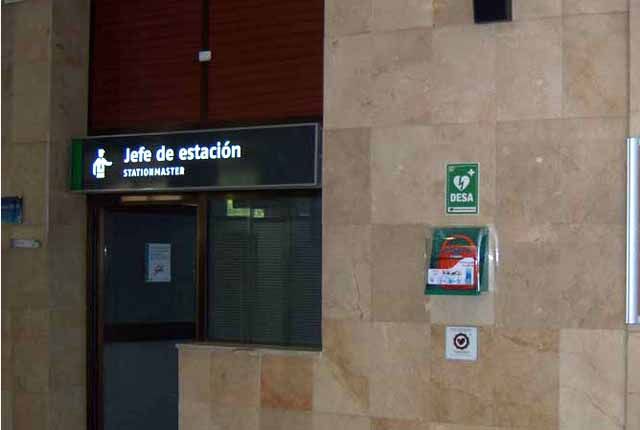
(460, 274)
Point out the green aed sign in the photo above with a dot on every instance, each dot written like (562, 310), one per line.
(462, 194)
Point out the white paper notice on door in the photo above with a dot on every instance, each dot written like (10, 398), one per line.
(158, 262)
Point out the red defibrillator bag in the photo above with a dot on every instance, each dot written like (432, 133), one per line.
(457, 263)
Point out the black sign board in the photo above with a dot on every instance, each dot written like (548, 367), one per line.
(286, 156)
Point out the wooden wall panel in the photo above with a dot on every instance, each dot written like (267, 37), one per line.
(144, 70)
(267, 60)
(267, 63)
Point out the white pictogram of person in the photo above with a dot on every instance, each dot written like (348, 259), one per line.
(100, 164)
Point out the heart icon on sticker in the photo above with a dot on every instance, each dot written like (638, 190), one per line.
(461, 182)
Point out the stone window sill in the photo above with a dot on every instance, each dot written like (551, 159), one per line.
(249, 349)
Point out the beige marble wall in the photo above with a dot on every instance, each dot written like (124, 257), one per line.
(44, 76)
(25, 295)
(543, 104)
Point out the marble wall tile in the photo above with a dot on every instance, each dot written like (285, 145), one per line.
(31, 365)
(30, 324)
(463, 310)
(25, 285)
(527, 9)
(398, 273)
(195, 377)
(399, 373)
(69, 86)
(605, 201)
(348, 82)
(226, 418)
(30, 411)
(529, 75)
(595, 81)
(399, 158)
(547, 171)
(633, 348)
(633, 380)
(32, 28)
(6, 351)
(402, 95)
(440, 426)
(347, 17)
(346, 189)
(633, 411)
(195, 389)
(66, 365)
(402, 77)
(67, 211)
(275, 419)
(592, 379)
(346, 291)
(333, 422)
(408, 170)
(8, 31)
(573, 7)
(525, 372)
(401, 14)
(286, 382)
(529, 170)
(235, 380)
(452, 12)
(6, 403)
(398, 49)
(68, 409)
(634, 124)
(546, 283)
(341, 379)
(395, 424)
(194, 415)
(6, 116)
(67, 264)
(30, 109)
(70, 24)
(67, 348)
(400, 395)
(464, 69)
(457, 383)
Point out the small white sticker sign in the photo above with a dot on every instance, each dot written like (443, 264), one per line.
(158, 262)
(461, 343)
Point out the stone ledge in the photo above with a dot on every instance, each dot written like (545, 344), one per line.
(248, 349)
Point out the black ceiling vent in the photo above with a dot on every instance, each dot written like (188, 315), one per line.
(486, 11)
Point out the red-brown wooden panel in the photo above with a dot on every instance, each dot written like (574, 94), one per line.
(145, 73)
(267, 60)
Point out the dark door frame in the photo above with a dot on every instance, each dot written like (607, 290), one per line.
(96, 333)
(97, 204)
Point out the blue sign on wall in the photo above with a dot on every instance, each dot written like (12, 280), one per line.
(11, 210)
(271, 157)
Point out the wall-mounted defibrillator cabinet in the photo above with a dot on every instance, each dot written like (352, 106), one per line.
(461, 260)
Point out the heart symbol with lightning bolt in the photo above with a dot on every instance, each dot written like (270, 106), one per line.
(461, 182)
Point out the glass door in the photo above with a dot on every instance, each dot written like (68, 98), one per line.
(145, 303)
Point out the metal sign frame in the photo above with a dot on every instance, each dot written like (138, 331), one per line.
(633, 230)
(312, 179)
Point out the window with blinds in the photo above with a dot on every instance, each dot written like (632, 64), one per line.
(264, 283)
